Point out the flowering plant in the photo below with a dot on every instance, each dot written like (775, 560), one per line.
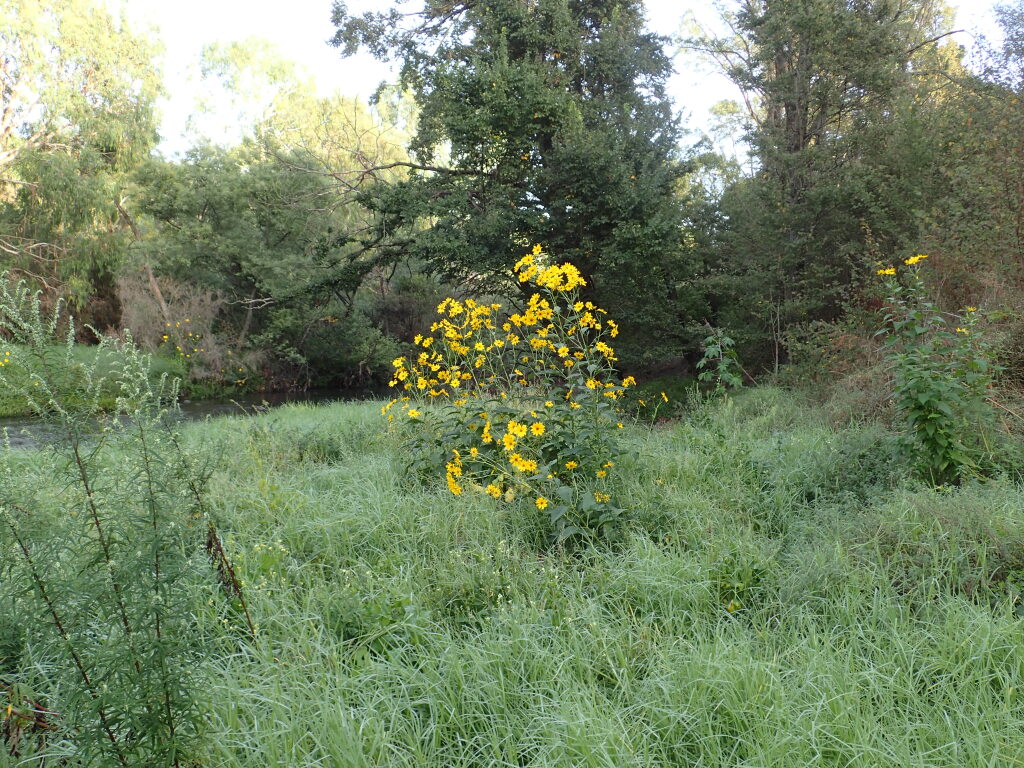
(522, 404)
(942, 375)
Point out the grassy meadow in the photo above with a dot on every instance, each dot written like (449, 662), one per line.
(783, 595)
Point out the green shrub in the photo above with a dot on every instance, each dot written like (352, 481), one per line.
(720, 365)
(102, 539)
(523, 406)
(942, 376)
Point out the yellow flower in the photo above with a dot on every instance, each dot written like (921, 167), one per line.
(537, 428)
(523, 465)
(542, 503)
(914, 259)
(962, 330)
(453, 486)
(413, 413)
(972, 309)
(509, 441)
(571, 465)
(887, 271)
(548, 404)
(601, 497)
(493, 491)
(474, 452)
(664, 397)
(602, 473)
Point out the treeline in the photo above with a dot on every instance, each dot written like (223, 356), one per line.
(310, 252)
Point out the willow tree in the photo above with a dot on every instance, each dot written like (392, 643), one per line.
(265, 224)
(77, 88)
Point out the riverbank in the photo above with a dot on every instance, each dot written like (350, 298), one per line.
(21, 364)
(195, 403)
(27, 431)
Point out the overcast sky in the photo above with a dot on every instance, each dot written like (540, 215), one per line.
(300, 29)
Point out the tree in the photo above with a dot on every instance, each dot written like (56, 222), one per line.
(266, 224)
(974, 224)
(77, 89)
(540, 122)
(832, 91)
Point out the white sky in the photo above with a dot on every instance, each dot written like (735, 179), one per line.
(301, 28)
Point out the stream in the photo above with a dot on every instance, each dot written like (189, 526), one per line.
(27, 431)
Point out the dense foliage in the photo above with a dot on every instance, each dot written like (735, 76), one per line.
(545, 123)
(77, 91)
(311, 248)
(527, 557)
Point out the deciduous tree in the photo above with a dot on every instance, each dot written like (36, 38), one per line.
(540, 121)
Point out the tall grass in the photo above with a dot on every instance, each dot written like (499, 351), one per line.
(785, 596)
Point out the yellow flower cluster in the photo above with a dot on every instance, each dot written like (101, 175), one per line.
(456, 354)
(523, 393)
(6, 358)
(555, 278)
(453, 471)
(890, 271)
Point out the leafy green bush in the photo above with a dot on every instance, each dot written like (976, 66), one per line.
(720, 365)
(523, 406)
(943, 372)
(102, 538)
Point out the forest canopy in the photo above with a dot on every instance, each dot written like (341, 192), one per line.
(312, 251)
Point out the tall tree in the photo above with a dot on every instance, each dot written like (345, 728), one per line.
(266, 223)
(77, 88)
(826, 84)
(540, 121)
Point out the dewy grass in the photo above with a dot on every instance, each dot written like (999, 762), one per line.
(786, 596)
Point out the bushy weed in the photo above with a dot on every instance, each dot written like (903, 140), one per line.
(105, 543)
(943, 372)
(522, 405)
